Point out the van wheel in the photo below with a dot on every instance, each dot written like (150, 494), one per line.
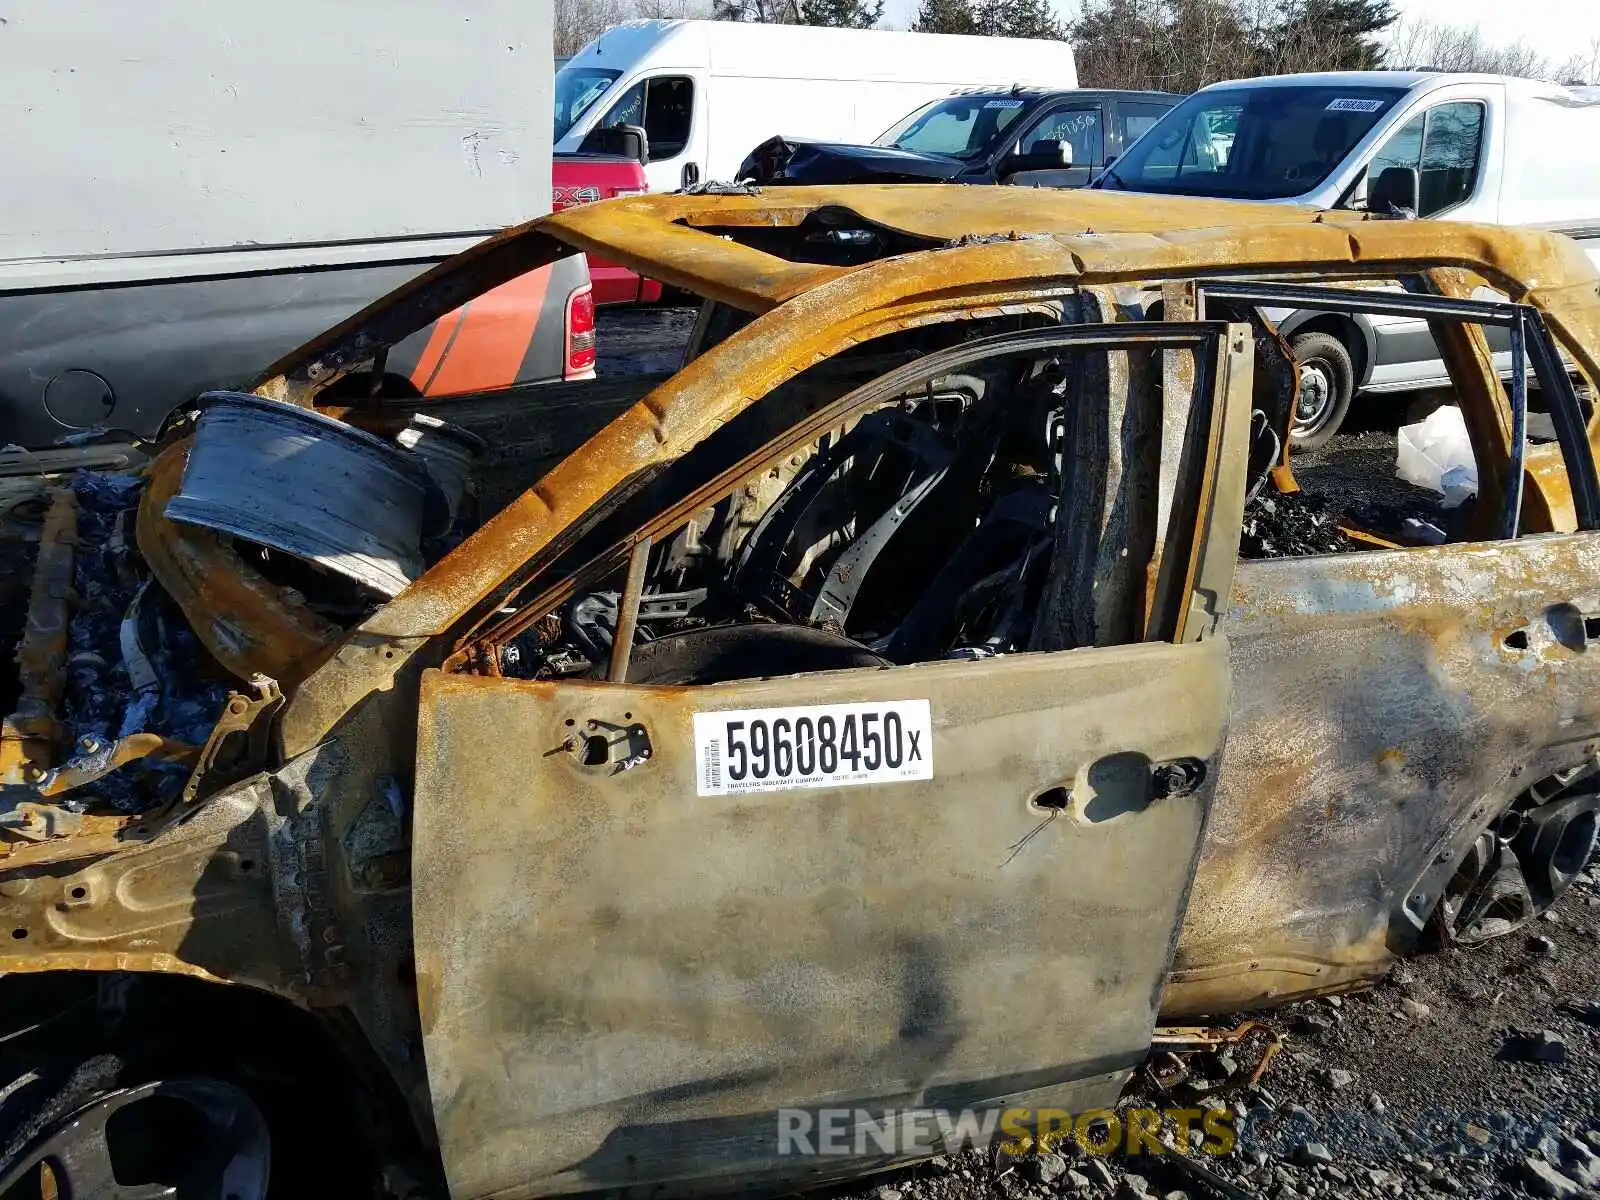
(1327, 385)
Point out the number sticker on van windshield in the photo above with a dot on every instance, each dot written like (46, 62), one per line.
(1351, 104)
(1002, 103)
(822, 745)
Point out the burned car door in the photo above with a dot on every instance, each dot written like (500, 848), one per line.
(734, 925)
(1412, 756)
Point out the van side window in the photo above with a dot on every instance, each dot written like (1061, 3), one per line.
(1136, 118)
(1443, 145)
(664, 106)
(1450, 155)
(1078, 127)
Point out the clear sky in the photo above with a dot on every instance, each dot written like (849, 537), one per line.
(1556, 29)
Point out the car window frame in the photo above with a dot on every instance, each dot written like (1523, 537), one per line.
(1190, 560)
(1054, 110)
(1538, 359)
(1356, 194)
(644, 83)
(1119, 123)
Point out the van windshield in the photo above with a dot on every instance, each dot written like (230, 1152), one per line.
(965, 127)
(1251, 143)
(577, 88)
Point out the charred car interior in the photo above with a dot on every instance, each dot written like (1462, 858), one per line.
(950, 644)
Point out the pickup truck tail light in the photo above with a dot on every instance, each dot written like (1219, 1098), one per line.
(580, 333)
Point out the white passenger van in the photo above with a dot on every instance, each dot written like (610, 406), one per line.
(1483, 148)
(708, 92)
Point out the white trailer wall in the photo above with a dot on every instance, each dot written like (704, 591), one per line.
(174, 125)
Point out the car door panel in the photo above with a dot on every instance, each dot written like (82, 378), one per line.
(623, 980)
(634, 952)
(1386, 705)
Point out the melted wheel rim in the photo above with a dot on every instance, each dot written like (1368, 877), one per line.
(174, 1138)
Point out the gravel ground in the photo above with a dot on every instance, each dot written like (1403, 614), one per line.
(1465, 1073)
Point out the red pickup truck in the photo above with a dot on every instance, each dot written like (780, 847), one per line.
(585, 178)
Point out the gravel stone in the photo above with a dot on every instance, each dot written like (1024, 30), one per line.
(1544, 1180)
(1098, 1172)
(1543, 1046)
(1579, 1162)
(1048, 1168)
(1585, 1010)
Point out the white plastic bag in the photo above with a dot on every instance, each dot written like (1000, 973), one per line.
(1436, 453)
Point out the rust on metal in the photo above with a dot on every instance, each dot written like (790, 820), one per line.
(247, 623)
(239, 740)
(129, 749)
(1179, 1038)
(31, 737)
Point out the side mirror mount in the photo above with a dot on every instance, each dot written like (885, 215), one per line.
(1045, 155)
(623, 141)
(1394, 192)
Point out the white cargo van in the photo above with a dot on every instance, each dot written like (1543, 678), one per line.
(1458, 147)
(707, 92)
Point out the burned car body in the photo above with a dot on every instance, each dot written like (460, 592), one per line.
(876, 692)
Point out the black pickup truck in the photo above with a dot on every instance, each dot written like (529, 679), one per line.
(1030, 136)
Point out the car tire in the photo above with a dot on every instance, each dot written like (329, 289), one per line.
(1327, 386)
(195, 1135)
(194, 1112)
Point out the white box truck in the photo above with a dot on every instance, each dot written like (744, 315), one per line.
(706, 93)
(191, 190)
(1485, 148)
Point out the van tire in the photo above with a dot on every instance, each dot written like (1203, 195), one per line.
(1327, 386)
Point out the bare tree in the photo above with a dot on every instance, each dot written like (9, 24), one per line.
(766, 12)
(1428, 45)
(1582, 68)
(1180, 45)
(672, 10)
(579, 22)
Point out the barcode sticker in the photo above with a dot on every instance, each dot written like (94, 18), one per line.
(1351, 104)
(821, 745)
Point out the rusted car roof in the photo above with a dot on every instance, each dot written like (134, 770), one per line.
(659, 231)
(680, 239)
